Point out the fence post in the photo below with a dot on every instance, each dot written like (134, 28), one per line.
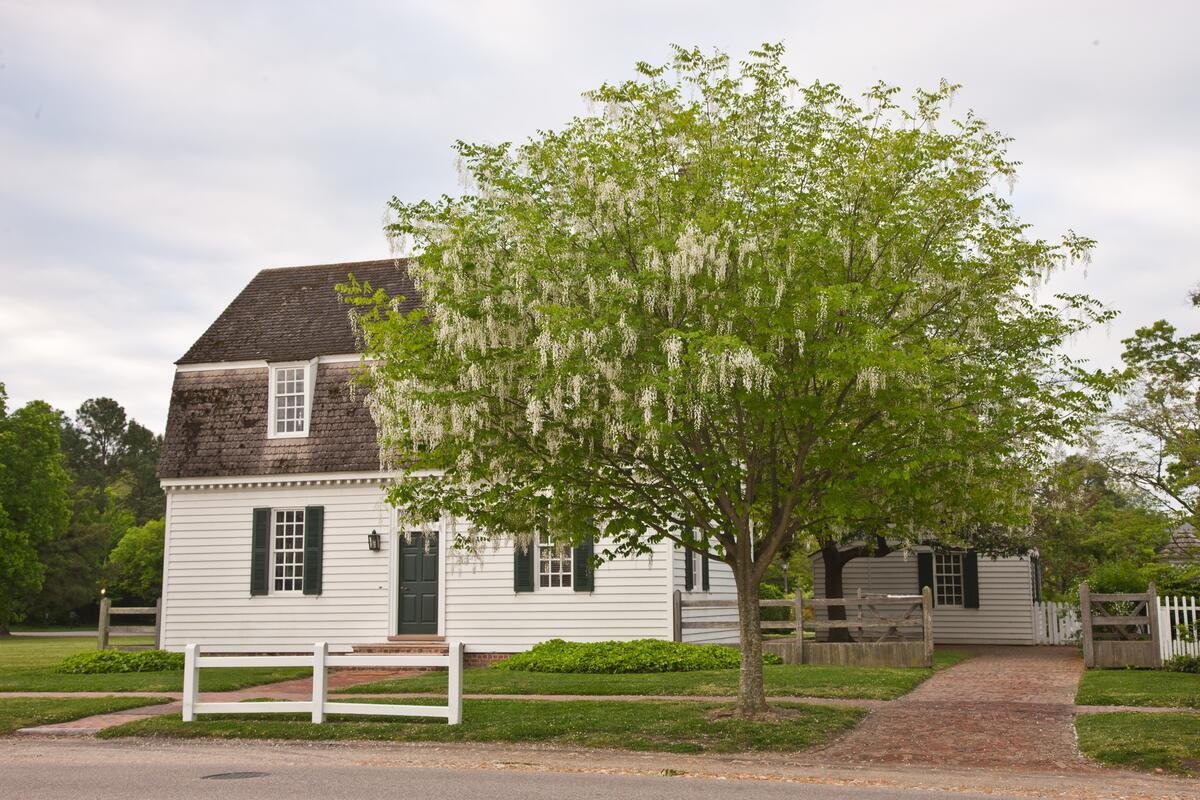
(455, 698)
(191, 681)
(1085, 622)
(102, 629)
(320, 683)
(677, 616)
(927, 624)
(799, 626)
(1152, 616)
(158, 624)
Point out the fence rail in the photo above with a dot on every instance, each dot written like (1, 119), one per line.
(106, 629)
(319, 658)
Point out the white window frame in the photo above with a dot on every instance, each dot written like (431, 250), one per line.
(310, 380)
(566, 556)
(939, 571)
(273, 551)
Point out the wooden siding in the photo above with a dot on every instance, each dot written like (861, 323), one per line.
(631, 601)
(1005, 597)
(207, 570)
(721, 587)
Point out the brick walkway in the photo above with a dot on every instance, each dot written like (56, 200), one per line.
(1007, 707)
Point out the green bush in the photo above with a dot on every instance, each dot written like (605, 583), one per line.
(643, 655)
(119, 661)
(769, 591)
(1183, 664)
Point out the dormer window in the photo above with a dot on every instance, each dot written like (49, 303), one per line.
(291, 399)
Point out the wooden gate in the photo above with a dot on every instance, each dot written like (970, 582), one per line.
(1120, 629)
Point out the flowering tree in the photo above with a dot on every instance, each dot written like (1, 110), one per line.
(730, 312)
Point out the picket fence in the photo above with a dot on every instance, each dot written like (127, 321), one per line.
(1178, 623)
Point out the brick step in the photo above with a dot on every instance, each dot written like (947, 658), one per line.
(403, 648)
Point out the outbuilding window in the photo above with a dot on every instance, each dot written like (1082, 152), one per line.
(287, 550)
(554, 563)
(291, 399)
(948, 578)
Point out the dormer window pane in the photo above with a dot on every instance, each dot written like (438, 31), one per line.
(290, 391)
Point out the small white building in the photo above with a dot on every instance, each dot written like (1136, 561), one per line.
(976, 599)
(279, 533)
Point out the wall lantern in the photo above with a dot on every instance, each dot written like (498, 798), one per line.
(373, 541)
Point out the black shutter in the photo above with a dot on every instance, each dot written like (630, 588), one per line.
(970, 579)
(1035, 576)
(260, 543)
(314, 548)
(584, 575)
(689, 569)
(522, 567)
(704, 572)
(925, 574)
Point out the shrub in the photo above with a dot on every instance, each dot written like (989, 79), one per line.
(769, 591)
(120, 661)
(643, 655)
(1183, 664)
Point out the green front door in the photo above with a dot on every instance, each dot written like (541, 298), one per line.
(419, 584)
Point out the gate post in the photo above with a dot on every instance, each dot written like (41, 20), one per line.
(1085, 622)
(926, 624)
(102, 632)
(1155, 628)
(677, 616)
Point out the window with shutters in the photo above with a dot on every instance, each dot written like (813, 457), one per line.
(287, 550)
(554, 563)
(290, 399)
(948, 578)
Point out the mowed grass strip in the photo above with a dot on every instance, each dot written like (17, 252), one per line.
(1138, 687)
(1137, 740)
(794, 680)
(27, 665)
(25, 712)
(641, 725)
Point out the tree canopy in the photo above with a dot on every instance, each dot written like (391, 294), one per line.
(735, 312)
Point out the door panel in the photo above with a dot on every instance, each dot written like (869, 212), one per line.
(419, 584)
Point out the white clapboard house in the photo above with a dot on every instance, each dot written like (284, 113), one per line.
(976, 599)
(278, 531)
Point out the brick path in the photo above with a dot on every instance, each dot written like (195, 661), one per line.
(1007, 707)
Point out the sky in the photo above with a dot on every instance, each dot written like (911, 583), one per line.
(154, 156)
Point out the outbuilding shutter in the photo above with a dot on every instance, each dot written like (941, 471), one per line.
(260, 542)
(314, 547)
(925, 574)
(522, 568)
(584, 574)
(689, 569)
(970, 579)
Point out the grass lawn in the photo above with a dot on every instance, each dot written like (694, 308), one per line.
(23, 712)
(806, 680)
(642, 725)
(1137, 740)
(26, 665)
(1138, 687)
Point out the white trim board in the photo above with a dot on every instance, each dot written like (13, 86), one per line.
(258, 363)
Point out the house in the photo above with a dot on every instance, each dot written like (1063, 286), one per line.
(1183, 548)
(277, 527)
(976, 599)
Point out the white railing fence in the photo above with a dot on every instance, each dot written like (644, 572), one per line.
(319, 658)
(1056, 623)
(1179, 624)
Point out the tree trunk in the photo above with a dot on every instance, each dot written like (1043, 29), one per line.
(752, 698)
(833, 560)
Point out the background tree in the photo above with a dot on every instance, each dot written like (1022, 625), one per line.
(34, 500)
(135, 567)
(1159, 424)
(734, 313)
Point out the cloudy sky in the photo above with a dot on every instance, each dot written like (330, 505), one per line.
(155, 155)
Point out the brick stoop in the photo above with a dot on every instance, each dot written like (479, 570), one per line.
(400, 646)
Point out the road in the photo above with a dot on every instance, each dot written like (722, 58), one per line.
(68, 769)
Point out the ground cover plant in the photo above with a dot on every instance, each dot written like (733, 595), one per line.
(96, 662)
(783, 680)
(1169, 742)
(642, 655)
(1138, 687)
(27, 664)
(642, 725)
(24, 712)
